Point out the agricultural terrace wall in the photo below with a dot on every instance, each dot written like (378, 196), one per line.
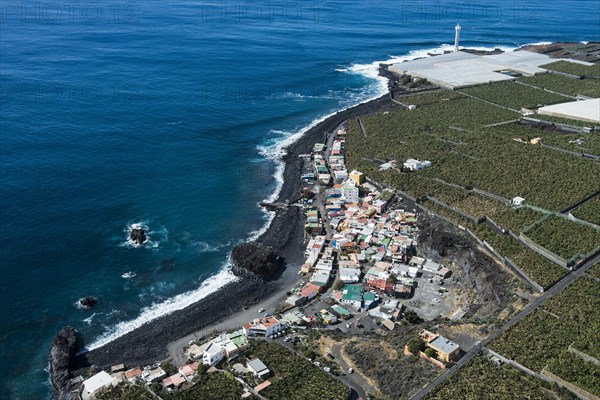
(461, 213)
(582, 394)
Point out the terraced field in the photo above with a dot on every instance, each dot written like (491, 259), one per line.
(513, 95)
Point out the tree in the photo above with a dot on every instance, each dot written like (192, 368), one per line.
(338, 284)
(429, 352)
(412, 317)
(309, 353)
(415, 345)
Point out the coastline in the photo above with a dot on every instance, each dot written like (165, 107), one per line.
(149, 342)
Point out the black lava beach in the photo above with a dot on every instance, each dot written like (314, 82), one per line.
(147, 344)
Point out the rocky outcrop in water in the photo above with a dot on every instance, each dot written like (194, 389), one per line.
(254, 260)
(138, 235)
(63, 349)
(87, 302)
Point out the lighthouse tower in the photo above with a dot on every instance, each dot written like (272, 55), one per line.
(456, 37)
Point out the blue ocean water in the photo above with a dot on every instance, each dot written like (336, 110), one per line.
(171, 115)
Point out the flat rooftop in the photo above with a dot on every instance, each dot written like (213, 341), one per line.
(583, 110)
(440, 343)
(460, 69)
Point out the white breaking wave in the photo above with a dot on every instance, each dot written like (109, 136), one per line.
(155, 311)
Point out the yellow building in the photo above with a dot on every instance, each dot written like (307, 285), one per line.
(357, 177)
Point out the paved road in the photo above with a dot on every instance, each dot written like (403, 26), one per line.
(566, 281)
(354, 380)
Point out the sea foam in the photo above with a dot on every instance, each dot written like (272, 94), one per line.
(157, 310)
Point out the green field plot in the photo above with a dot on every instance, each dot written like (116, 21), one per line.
(537, 267)
(565, 85)
(564, 237)
(573, 68)
(430, 97)
(513, 95)
(295, 377)
(589, 211)
(577, 142)
(516, 219)
(487, 158)
(478, 206)
(480, 379)
(569, 317)
(595, 272)
(576, 370)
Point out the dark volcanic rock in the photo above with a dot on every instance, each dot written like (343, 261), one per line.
(88, 302)
(63, 349)
(254, 259)
(138, 235)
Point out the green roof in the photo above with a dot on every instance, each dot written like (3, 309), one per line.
(353, 292)
(341, 310)
(238, 339)
(369, 296)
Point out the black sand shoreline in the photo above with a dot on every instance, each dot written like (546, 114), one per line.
(148, 343)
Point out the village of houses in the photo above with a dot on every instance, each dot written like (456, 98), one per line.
(361, 272)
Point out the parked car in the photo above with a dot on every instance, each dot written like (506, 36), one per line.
(350, 370)
(327, 369)
(261, 310)
(287, 339)
(330, 356)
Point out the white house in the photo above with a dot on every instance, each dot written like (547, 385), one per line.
(258, 368)
(415, 165)
(380, 205)
(431, 266)
(350, 274)
(94, 384)
(263, 327)
(153, 374)
(213, 354)
(351, 193)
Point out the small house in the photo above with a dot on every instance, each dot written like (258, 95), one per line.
(96, 383)
(258, 368)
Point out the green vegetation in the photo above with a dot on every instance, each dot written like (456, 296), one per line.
(207, 386)
(580, 143)
(214, 386)
(124, 391)
(595, 272)
(573, 68)
(589, 211)
(572, 316)
(396, 376)
(415, 345)
(296, 378)
(516, 219)
(576, 370)
(514, 95)
(576, 142)
(482, 380)
(430, 97)
(487, 159)
(564, 237)
(565, 85)
(537, 267)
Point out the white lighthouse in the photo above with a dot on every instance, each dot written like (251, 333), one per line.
(456, 37)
